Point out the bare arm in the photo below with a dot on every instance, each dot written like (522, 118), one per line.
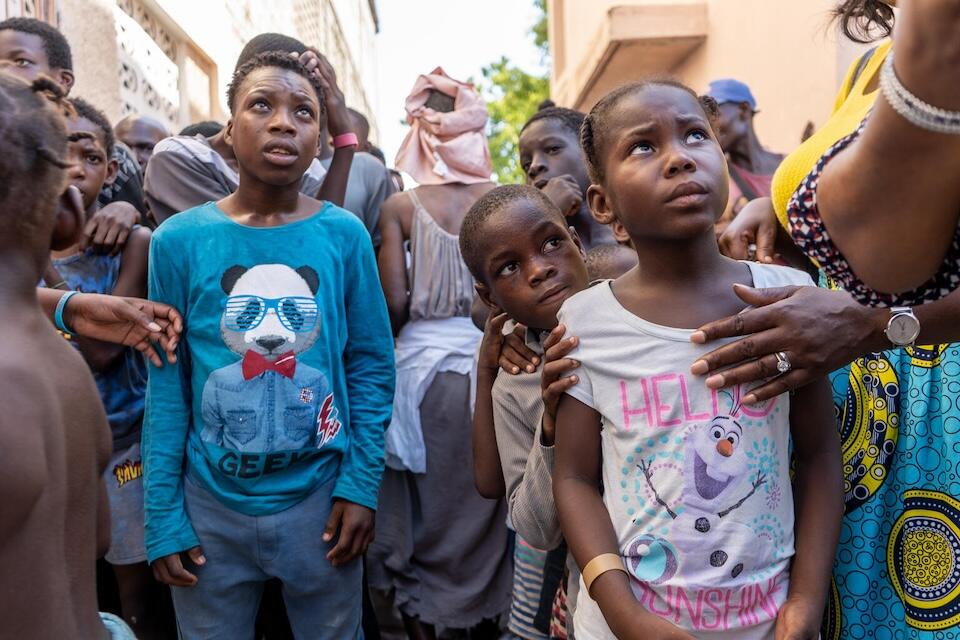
(487, 472)
(818, 502)
(131, 282)
(133, 322)
(586, 523)
(392, 262)
(899, 181)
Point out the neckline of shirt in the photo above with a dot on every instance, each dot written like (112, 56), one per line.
(220, 213)
(675, 334)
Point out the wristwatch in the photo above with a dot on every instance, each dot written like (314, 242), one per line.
(903, 328)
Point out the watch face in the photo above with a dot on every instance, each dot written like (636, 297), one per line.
(903, 329)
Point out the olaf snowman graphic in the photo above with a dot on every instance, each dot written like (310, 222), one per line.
(714, 548)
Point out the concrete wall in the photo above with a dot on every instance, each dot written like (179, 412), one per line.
(214, 33)
(89, 27)
(787, 51)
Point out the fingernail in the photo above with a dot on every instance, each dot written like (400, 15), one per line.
(750, 399)
(531, 368)
(515, 370)
(698, 337)
(575, 379)
(714, 382)
(535, 360)
(153, 326)
(574, 341)
(202, 560)
(699, 368)
(326, 537)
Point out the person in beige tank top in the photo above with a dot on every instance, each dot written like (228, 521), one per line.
(440, 547)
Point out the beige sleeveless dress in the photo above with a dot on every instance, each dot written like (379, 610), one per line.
(440, 546)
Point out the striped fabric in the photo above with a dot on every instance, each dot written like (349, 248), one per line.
(527, 584)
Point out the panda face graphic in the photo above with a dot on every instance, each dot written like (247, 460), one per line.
(270, 309)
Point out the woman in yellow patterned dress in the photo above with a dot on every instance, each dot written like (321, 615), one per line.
(897, 572)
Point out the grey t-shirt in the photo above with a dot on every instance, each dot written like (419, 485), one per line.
(185, 172)
(368, 186)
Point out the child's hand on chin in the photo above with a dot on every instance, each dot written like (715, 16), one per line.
(798, 620)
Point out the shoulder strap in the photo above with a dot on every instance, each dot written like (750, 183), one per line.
(861, 65)
(748, 192)
(414, 199)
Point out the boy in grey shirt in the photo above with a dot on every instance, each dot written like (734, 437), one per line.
(526, 263)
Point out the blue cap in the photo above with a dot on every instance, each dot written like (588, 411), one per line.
(730, 90)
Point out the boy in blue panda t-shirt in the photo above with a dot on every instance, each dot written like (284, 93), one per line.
(263, 445)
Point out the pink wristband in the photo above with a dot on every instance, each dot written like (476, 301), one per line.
(345, 140)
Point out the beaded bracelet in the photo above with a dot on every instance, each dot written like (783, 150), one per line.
(58, 314)
(913, 109)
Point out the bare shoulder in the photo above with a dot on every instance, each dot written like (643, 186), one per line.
(398, 208)
(482, 188)
(138, 245)
(139, 237)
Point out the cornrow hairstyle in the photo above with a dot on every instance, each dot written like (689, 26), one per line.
(592, 138)
(864, 20)
(570, 119)
(472, 228)
(33, 147)
(84, 109)
(55, 45)
(279, 59)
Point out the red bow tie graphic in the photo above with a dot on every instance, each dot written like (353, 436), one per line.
(254, 364)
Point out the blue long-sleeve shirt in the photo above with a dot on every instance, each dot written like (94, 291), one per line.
(285, 377)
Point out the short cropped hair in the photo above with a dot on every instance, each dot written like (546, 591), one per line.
(54, 43)
(272, 59)
(86, 110)
(593, 137)
(472, 229)
(600, 259)
(268, 42)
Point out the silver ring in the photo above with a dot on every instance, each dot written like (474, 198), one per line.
(783, 362)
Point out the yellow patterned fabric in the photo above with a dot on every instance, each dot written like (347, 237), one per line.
(850, 108)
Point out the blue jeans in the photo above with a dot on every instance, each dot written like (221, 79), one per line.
(242, 552)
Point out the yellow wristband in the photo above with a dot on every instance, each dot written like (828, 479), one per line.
(600, 565)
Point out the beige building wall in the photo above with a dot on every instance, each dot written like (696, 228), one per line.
(173, 59)
(789, 53)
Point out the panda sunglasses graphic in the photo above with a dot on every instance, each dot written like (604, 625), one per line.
(268, 400)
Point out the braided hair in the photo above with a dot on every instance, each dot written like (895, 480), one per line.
(593, 132)
(571, 119)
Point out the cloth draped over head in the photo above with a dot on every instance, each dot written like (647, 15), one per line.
(444, 148)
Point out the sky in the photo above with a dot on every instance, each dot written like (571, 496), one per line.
(462, 36)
